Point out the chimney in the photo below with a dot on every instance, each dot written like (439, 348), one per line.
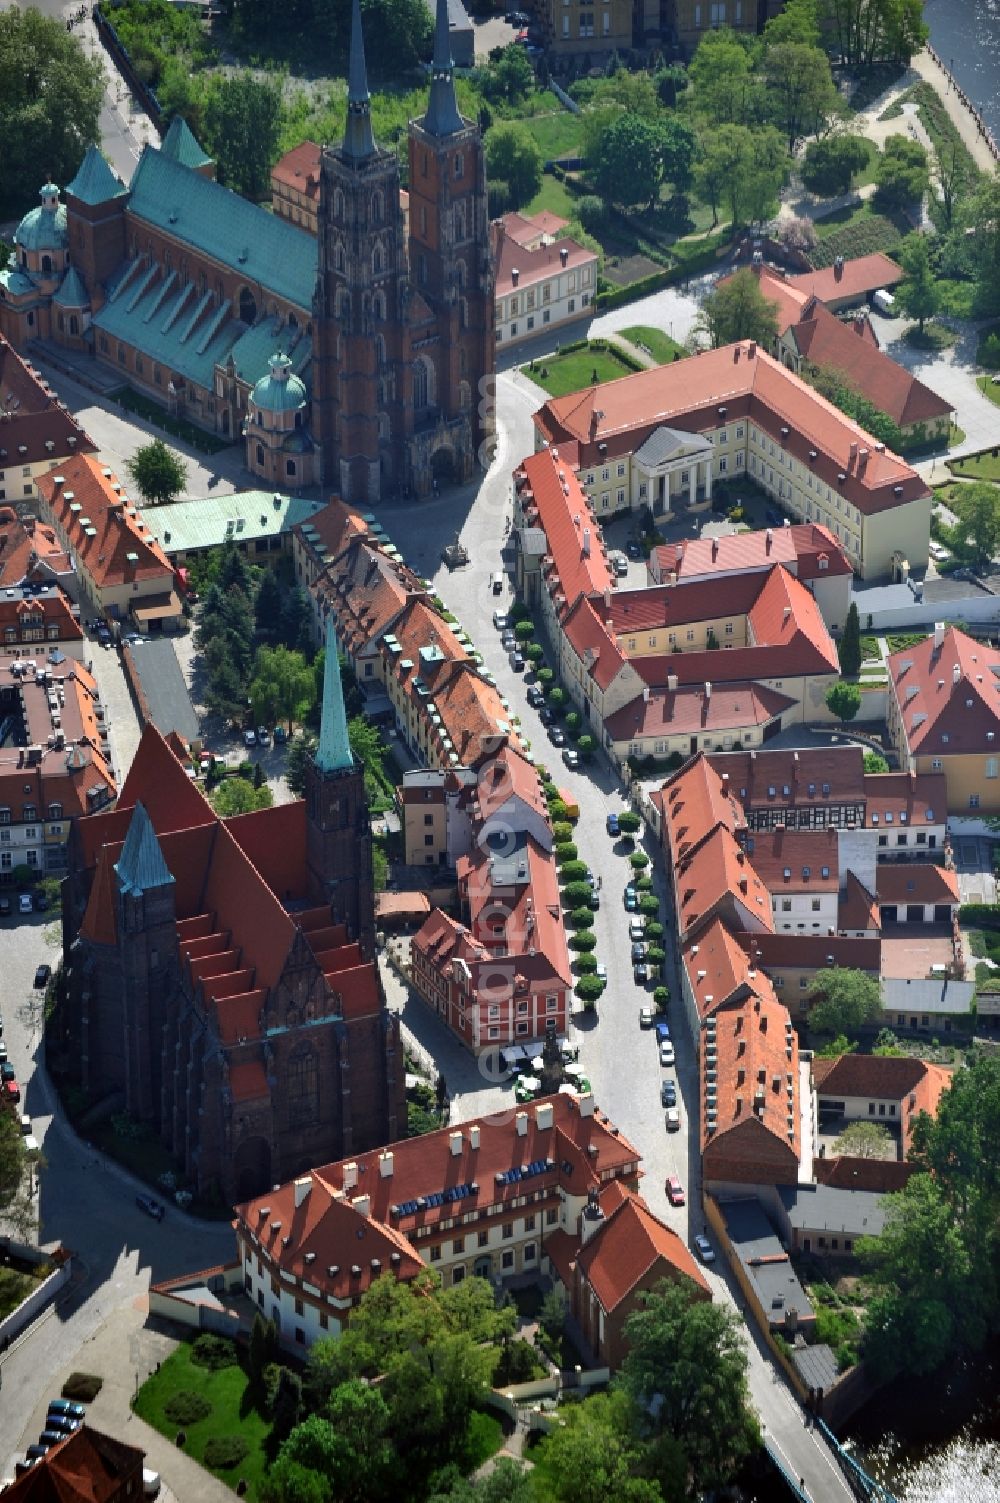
(302, 1188)
(515, 276)
(592, 1219)
(938, 635)
(587, 1105)
(607, 600)
(708, 690)
(586, 542)
(455, 1142)
(521, 1123)
(474, 1135)
(350, 1174)
(672, 682)
(385, 1164)
(645, 695)
(768, 539)
(563, 255)
(751, 349)
(362, 1204)
(544, 1116)
(838, 268)
(785, 615)
(956, 673)
(715, 549)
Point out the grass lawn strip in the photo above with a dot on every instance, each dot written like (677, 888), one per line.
(661, 346)
(985, 466)
(232, 1413)
(561, 374)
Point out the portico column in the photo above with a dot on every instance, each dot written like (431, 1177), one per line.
(708, 480)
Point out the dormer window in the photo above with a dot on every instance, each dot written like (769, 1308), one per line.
(945, 738)
(824, 871)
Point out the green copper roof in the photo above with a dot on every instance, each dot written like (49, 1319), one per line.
(334, 751)
(17, 282)
(95, 183)
(180, 144)
(359, 143)
(279, 390)
(170, 321)
(192, 526)
(253, 349)
(442, 117)
(43, 229)
(72, 293)
(250, 241)
(141, 865)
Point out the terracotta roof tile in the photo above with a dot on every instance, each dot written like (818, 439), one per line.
(802, 548)
(809, 857)
(562, 510)
(719, 873)
(812, 951)
(299, 169)
(757, 1078)
(695, 801)
(910, 799)
(915, 882)
(117, 549)
(718, 966)
(854, 278)
(858, 908)
(730, 708)
(631, 1245)
(37, 427)
(948, 695)
(85, 1467)
(810, 777)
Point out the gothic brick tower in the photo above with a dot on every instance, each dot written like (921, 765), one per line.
(339, 839)
(360, 305)
(450, 262)
(95, 206)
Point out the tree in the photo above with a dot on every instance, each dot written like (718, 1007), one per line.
(508, 76)
(630, 165)
(157, 472)
(289, 1481)
(514, 155)
(283, 686)
(362, 1462)
(670, 82)
(286, 1407)
(830, 163)
(834, 1048)
(977, 532)
(902, 176)
(239, 796)
(984, 245)
(800, 89)
(589, 989)
(685, 1371)
(50, 105)
(869, 31)
(737, 309)
(799, 22)
(300, 749)
(875, 763)
(508, 1482)
(843, 700)
(918, 294)
(723, 89)
(592, 1456)
(865, 1140)
(243, 119)
(678, 144)
(260, 1349)
(850, 643)
(268, 604)
(843, 1000)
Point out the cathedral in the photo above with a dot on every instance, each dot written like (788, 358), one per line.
(360, 359)
(222, 987)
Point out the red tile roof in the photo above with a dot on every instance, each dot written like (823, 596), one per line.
(601, 655)
(908, 799)
(718, 967)
(731, 708)
(885, 1077)
(854, 278)
(299, 169)
(696, 800)
(808, 778)
(756, 1087)
(36, 426)
(858, 908)
(631, 1245)
(117, 548)
(85, 1467)
(552, 498)
(811, 951)
(807, 550)
(630, 611)
(915, 882)
(948, 695)
(719, 873)
(750, 385)
(76, 775)
(514, 250)
(809, 857)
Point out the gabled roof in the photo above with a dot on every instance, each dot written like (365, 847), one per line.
(947, 689)
(796, 860)
(631, 1245)
(299, 169)
(755, 1092)
(95, 182)
(858, 908)
(905, 799)
(695, 801)
(719, 872)
(333, 753)
(179, 144)
(141, 865)
(37, 420)
(853, 278)
(915, 882)
(807, 778)
(812, 952)
(730, 708)
(718, 968)
(535, 264)
(885, 1077)
(248, 240)
(104, 530)
(807, 549)
(86, 1467)
(552, 499)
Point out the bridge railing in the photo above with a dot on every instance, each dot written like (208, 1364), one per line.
(864, 1487)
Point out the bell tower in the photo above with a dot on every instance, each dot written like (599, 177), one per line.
(339, 837)
(450, 261)
(360, 303)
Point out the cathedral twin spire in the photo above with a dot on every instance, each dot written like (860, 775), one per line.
(442, 117)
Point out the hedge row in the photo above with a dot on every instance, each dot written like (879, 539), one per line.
(980, 915)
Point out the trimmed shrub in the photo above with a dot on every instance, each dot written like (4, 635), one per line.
(661, 996)
(557, 697)
(557, 809)
(585, 965)
(629, 822)
(644, 884)
(213, 1352)
(585, 746)
(225, 1451)
(649, 904)
(588, 989)
(575, 894)
(534, 652)
(655, 956)
(566, 851)
(524, 630)
(83, 1387)
(638, 861)
(573, 871)
(574, 720)
(579, 918)
(546, 677)
(562, 830)
(583, 941)
(654, 931)
(186, 1407)
(518, 612)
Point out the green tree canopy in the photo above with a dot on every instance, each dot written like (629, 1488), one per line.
(849, 647)
(239, 796)
(283, 686)
(918, 294)
(875, 763)
(864, 32)
(843, 700)
(593, 1457)
(242, 126)
(514, 156)
(866, 1140)
(157, 472)
(843, 1000)
(976, 535)
(830, 162)
(801, 93)
(723, 88)
(50, 105)
(630, 163)
(902, 176)
(740, 169)
(508, 77)
(737, 309)
(685, 1371)
(798, 22)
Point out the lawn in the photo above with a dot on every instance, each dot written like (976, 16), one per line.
(554, 196)
(14, 1287)
(662, 348)
(232, 1413)
(985, 466)
(900, 640)
(933, 336)
(561, 374)
(869, 650)
(990, 388)
(558, 134)
(188, 433)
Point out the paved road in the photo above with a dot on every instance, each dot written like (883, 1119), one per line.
(83, 1203)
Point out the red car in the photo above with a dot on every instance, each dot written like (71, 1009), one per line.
(675, 1190)
(11, 1091)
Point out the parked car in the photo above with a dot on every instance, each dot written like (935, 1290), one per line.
(639, 975)
(571, 758)
(602, 973)
(25, 1125)
(104, 636)
(11, 1090)
(7, 1071)
(675, 1190)
(508, 641)
(280, 735)
(611, 825)
(772, 517)
(517, 662)
(61, 1424)
(620, 566)
(68, 1407)
(547, 715)
(536, 696)
(150, 1482)
(668, 1093)
(263, 736)
(557, 735)
(704, 1249)
(501, 620)
(150, 1206)
(662, 1031)
(24, 903)
(6, 908)
(667, 1056)
(638, 952)
(645, 1017)
(594, 901)
(35, 1453)
(631, 900)
(636, 928)
(672, 1119)
(517, 18)
(42, 974)
(634, 549)
(249, 738)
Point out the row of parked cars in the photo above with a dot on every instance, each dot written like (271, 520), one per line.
(62, 1418)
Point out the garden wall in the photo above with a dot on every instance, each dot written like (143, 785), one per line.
(40, 1297)
(977, 609)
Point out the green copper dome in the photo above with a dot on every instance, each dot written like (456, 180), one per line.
(44, 228)
(280, 390)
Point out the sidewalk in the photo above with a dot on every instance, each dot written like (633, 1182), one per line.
(927, 65)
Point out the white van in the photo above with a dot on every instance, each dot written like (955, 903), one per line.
(884, 302)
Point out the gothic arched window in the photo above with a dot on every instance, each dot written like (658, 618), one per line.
(464, 396)
(379, 349)
(378, 207)
(248, 306)
(423, 383)
(378, 306)
(461, 220)
(378, 260)
(339, 257)
(338, 204)
(384, 430)
(302, 1088)
(463, 312)
(342, 308)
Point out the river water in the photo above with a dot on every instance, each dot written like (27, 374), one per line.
(965, 34)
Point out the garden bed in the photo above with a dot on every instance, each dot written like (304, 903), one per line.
(189, 433)
(854, 232)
